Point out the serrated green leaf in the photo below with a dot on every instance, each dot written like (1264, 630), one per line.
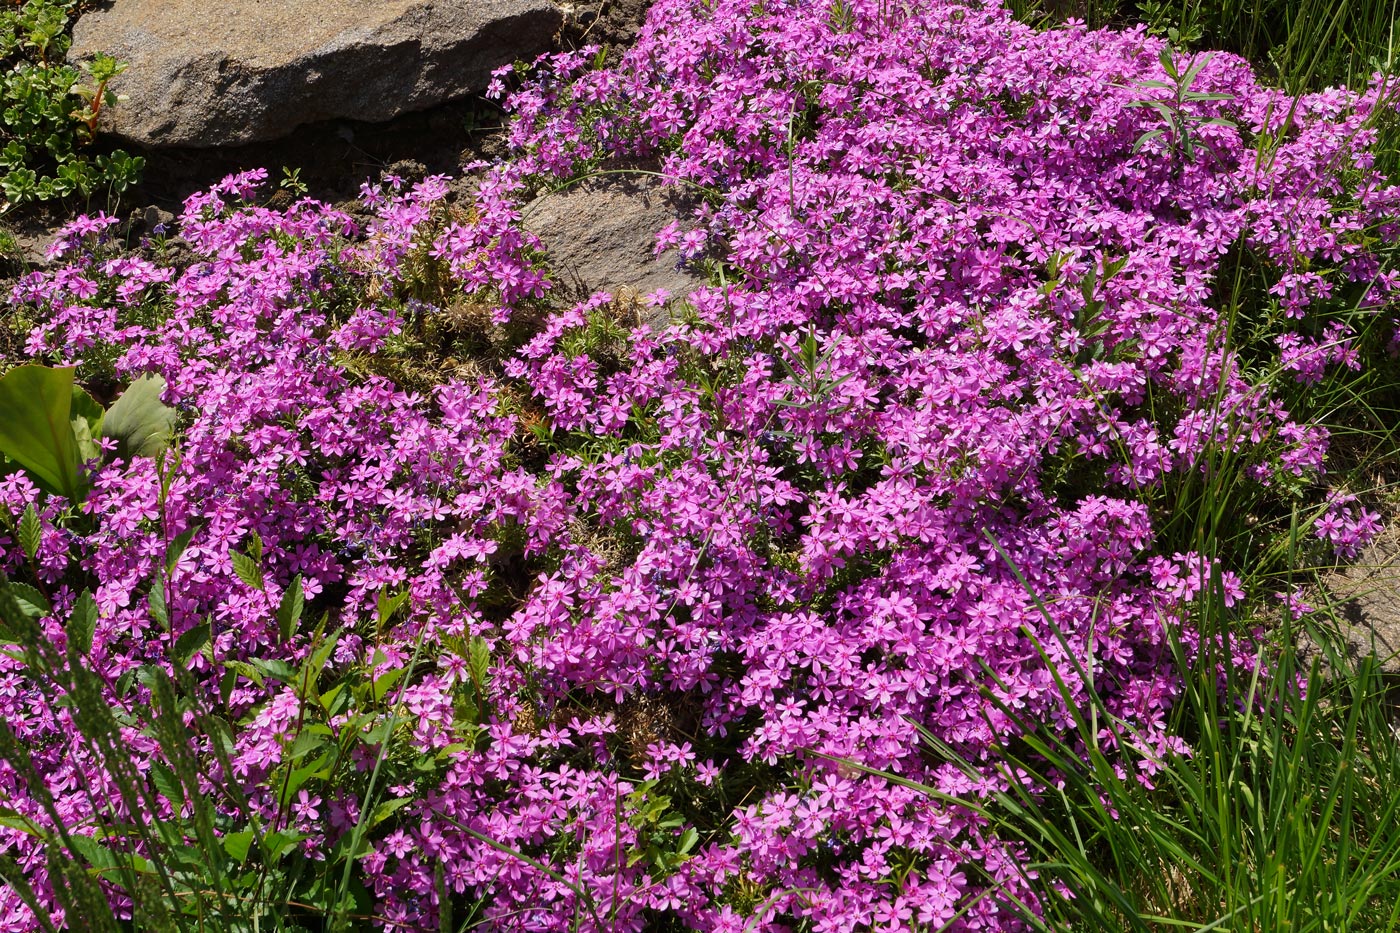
(31, 602)
(82, 622)
(167, 784)
(189, 643)
(247, 670)
(139, 421)
(31, 531)
(290, 608)
(255, 546)
(479, 661)
(247, 569)
(156, 601)
(237, 844)
(275, 668)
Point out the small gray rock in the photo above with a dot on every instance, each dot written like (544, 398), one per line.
(206, 73)
(601, 235)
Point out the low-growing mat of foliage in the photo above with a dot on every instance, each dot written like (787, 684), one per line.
(49, 110)
(935, 568)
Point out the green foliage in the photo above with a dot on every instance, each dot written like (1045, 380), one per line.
(1172, 106)
(49, 426)
(36, 430)
(228, 868)
(1300, 44)
(49, 111)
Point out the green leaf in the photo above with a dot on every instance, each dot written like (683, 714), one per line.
(275, 668)
(247, 569)
(87, 423)
(297, 779)
(244, 669)
(255, 546)
(387, 809)
(30, 531)
(479, 661)
(36, 429)
(290, 609)
(317, 662)
(31, 602)
(82, 622)
(189, 643)
(388, 604)
(276, 845)
(104, 861)
(167, 784)
(385, 682)
(237, 844)
(156, 600)
(139, 421)
(177, 548)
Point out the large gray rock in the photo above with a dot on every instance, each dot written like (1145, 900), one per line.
(600, 234)
(224, 72)
(1367, 596)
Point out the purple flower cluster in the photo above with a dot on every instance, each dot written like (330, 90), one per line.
(893, 470)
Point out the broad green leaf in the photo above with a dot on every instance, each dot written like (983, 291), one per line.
(139, 421)
(31, 531)
(245, 669)
(247, 569)
(36, 429)
(87, 423)
(30, 601)
(102, 860)
(387, 809)
(297, 779)
(276, 845)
